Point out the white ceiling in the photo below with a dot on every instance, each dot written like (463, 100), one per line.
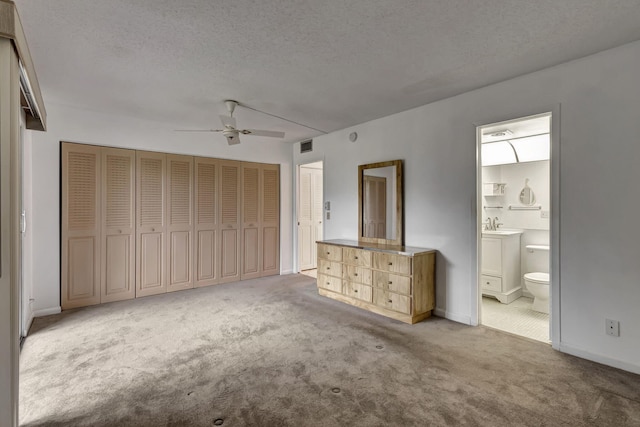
(328, 64)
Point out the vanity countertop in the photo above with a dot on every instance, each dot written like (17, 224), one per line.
(392, 249)
(505, 232)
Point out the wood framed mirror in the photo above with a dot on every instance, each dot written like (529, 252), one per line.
(380, 203)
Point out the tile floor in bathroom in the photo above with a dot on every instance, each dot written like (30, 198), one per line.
(517, 318)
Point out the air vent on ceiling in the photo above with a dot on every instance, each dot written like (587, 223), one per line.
(306, 146)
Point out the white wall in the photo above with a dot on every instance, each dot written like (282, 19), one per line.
(75, 125)
(599, 100)
(514, 176)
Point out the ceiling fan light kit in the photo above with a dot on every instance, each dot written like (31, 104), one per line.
(231, 132)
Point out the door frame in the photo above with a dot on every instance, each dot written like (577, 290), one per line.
(554, 226)
(296, 205)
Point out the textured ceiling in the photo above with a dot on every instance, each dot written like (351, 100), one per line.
(329, 64)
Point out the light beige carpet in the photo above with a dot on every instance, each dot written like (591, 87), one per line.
(271, 352)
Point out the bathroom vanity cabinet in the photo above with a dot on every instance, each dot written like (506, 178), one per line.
(500, 269)
(395, 281)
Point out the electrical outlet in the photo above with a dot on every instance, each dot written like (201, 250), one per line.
(544, 214)
(612, 327)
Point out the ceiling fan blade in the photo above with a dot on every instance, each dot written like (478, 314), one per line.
(258, 132)
(233, 138)
(198, 130)
(228, 121)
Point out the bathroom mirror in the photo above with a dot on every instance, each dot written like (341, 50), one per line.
(527, 197)
(380, 203)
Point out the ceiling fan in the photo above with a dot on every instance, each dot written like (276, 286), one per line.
(231, 132)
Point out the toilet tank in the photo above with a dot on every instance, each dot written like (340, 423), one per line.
(537, 258)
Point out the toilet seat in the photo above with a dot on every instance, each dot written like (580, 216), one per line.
(536, 277)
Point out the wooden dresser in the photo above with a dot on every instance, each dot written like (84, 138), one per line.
(395, 281)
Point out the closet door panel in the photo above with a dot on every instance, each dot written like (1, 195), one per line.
(229, 271)
(270, 258)
(206, 250)
(229, 212)
(118, 225)
(251, 239)
(151, 223)
(180, 222)
(80, 225)
(270, 220)
(206, 221)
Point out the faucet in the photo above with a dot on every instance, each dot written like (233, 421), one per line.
(496, 224)
(492, 224)
(488, 226)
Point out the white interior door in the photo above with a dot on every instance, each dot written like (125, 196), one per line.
(310, 209)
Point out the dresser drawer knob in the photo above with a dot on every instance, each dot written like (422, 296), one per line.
(355, 290)
(328, 253)
(390, 282)
(390, 301)
(356, 257)
(390, 263)
(355, 274)
(328, 283)
(488, 283)
(328, 268)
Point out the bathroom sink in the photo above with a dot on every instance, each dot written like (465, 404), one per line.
(504, 232)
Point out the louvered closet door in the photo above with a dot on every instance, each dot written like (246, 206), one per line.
(80, 225)
(206, 222)
(118, 225)
(270, 220)
(179, 222)
(150, 223)
(250, 235)
(229, 221)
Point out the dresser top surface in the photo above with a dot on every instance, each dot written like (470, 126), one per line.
(391, 249)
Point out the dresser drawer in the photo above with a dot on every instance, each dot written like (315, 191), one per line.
(357, 257)
(330, 268)
(491, 283)
(359, 291)
(392, 282)
(356, 274)
(330, 283)
(392, 301)
(392, 263)
(329, 252)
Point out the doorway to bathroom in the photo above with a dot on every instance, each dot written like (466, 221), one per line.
(514, 213)
(309, 213)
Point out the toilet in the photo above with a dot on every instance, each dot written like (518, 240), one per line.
(537, 282)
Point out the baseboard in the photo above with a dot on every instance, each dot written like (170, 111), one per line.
(285, 272)
(594, 357)
(452, 316)
(47, 311)
(28, 325)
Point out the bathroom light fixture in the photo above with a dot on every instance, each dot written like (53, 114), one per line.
(497, 133)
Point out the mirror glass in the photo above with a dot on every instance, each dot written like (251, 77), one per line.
(527, 197)
(381, 202)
